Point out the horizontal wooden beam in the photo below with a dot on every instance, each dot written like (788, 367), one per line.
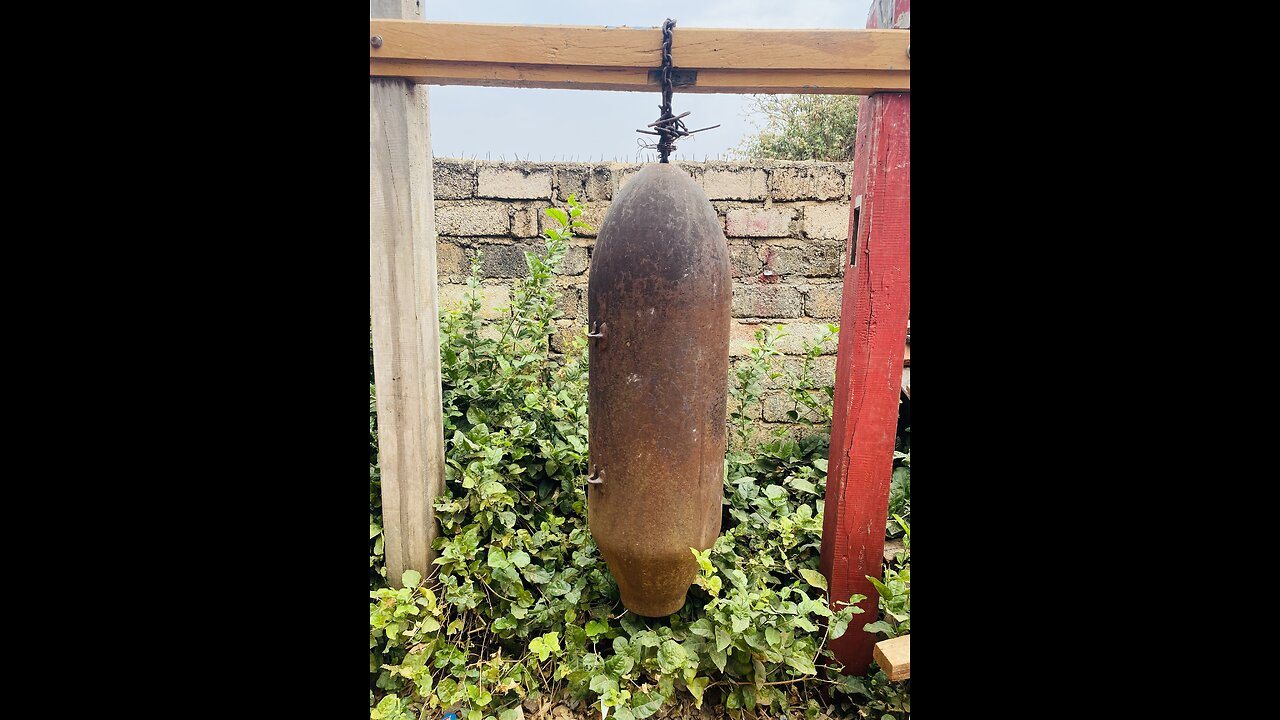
(836, 62)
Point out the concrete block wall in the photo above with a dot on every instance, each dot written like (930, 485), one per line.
(785, 222)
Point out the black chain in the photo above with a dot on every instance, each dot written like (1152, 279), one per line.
(668, 127)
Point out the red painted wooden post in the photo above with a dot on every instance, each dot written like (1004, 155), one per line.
(873, 326)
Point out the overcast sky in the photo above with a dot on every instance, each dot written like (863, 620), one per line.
(591, 125)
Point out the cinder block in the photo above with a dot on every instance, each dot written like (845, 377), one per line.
(493, 298)
(570, 303)
(453, 179)
(813, 259)
(505, 261)
(798, 332)
(778, 404)
(734, 184)
(574, 262)
(767, 301)
(451, 260)
(514, 183)
(524, 222)
(828, 221)
(472, 217)
(759, 222)
(566, 336)
(744, 261)
(742, 336)
(571, 179)
(588, 181)
(823, 301)
(807, 182)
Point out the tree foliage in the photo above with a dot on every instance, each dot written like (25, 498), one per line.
(802, 127)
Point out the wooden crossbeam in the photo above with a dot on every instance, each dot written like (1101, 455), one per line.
(836, 62)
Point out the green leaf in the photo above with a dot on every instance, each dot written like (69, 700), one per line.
(519, 558)
(814, 578)
(774, 637)
(839, 625)
(884, 591)
(719, 658)
(734, 700)
(600, 684)
(804, 485)
(723, 639)
(558, 214)
(702, 628)
(671, 656)
(596, 628)
(411, 578)
(880, 626)
(696, 687)
(703, 559)
(546, 645)
(651, 703)
(802, 662)
(850, 684)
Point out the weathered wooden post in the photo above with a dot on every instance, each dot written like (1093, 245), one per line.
(402, 299)
(874, 307)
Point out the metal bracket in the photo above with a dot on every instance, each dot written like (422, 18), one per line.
(679, 78)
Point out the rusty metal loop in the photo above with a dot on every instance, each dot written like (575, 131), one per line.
(596, 330)
(597, 477)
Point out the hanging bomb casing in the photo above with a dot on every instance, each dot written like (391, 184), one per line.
(659, 295)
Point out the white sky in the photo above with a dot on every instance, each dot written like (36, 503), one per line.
(592, 125)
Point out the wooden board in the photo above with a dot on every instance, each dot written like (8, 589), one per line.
(894, 657)
(619, 58)
(402, 302)
(875, 305)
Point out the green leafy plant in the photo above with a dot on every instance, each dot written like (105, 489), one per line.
(520, 605)
(377, 567)
(895, 591)
(900, 486)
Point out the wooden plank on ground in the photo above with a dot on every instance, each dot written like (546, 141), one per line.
(894, 657)
(619, 58)
(875, 306)
(402, 301)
